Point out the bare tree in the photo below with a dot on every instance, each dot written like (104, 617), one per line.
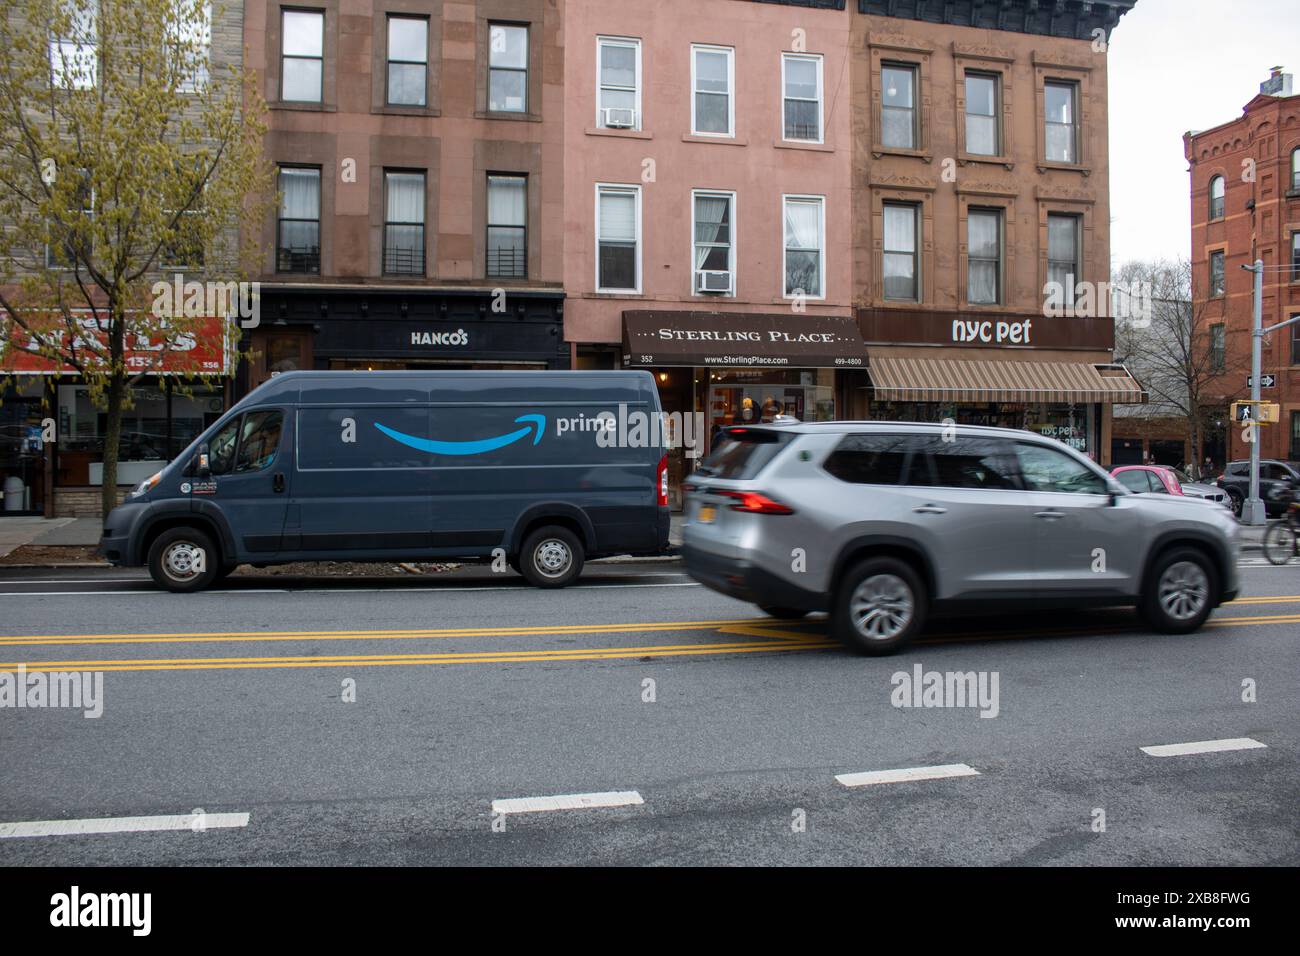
(1175, 351)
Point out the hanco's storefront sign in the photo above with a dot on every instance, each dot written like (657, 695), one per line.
(457, 339)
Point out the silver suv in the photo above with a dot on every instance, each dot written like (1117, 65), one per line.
(882, 523)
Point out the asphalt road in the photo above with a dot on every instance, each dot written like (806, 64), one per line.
(472, 688)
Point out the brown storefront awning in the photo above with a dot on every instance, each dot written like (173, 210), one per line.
(964, 380)
(778, 340)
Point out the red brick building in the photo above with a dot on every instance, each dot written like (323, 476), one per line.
(1245, 178)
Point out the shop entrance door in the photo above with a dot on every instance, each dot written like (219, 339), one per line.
(22, 457)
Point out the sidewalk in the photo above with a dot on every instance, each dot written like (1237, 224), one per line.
(16, 532)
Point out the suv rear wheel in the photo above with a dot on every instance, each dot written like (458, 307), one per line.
(1179, 591)
(551, 557)
(183, 560)
(880, 606)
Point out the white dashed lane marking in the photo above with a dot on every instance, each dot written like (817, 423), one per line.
(1202, 747)
(570, 801)
(906, 775)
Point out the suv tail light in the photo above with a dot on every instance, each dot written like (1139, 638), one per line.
(755, 502)
(661, 482)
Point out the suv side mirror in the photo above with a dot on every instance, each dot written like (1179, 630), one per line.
(203, 468)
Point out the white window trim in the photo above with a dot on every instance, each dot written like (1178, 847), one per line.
(731, 89)
(821, 98)
(732, 259)
(821, 236)
(635, 43)
(628, 188)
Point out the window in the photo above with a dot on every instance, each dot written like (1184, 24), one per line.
(1046, 469)
(898, 106)
(801, 83)
(1216, 273)
(1063, 254)
(804, 240)
(191, 45)
(1295, 257)
(1294, 454)
(618, 93)
(1218, 346)
(298, 231)
(1295, 342)
(979, 463)
(714, 242)
(408, 60)
(259, 441)
(1295, 170)
(618, 238)
(870, 459)
(74, 56)
(901, 275)
(403, 223)
(302, 48)
(1135, 481)
(984, 257)
(507, 226)
(507, 68)
(1216, 197)
(185, 249)
(712, 76)
(1061, 135)
(982, 132)
(221, 449)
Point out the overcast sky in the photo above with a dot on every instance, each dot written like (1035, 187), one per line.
(1178, 65)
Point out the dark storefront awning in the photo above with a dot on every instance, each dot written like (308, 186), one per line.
(779, 340)
(941, 380)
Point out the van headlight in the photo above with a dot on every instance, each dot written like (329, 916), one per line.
(147, 484)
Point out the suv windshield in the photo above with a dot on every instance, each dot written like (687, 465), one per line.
(743, 452)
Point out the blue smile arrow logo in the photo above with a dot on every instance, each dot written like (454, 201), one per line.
(480, 447)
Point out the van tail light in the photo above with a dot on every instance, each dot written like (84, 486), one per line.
(661, 482)
(757, 503)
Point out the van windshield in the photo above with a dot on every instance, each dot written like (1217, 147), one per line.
(743, 452)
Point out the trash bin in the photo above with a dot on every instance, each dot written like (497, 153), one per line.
(13, 493)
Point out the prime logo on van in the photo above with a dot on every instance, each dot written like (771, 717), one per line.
(473, 447)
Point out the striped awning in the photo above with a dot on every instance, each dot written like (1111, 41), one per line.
(964, 380)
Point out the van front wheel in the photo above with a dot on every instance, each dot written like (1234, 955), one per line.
(183, 559)
(552, 557)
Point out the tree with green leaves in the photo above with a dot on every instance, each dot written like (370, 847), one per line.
(125, 148)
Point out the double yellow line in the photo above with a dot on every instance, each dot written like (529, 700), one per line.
(767, 636)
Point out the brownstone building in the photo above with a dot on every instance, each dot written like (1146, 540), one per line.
(981, 173)
(419, 169)
(1245, 193)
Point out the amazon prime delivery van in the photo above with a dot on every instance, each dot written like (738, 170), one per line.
(538, 469)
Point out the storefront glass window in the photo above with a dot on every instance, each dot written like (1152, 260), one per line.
(22, 454)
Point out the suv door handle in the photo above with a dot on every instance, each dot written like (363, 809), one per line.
(930, 510)
(1050, 515)
(277, 482)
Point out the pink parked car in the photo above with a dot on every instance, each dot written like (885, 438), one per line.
(1166, 481)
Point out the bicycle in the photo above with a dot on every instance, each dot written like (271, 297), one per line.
(1282, 539)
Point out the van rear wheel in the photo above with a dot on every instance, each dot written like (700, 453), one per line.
(552, 557)
(183, 560)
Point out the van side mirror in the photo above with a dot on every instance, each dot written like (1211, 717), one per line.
(203, 467)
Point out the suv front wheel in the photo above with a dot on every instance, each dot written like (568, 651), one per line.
(880, 606)
(1179, 591)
